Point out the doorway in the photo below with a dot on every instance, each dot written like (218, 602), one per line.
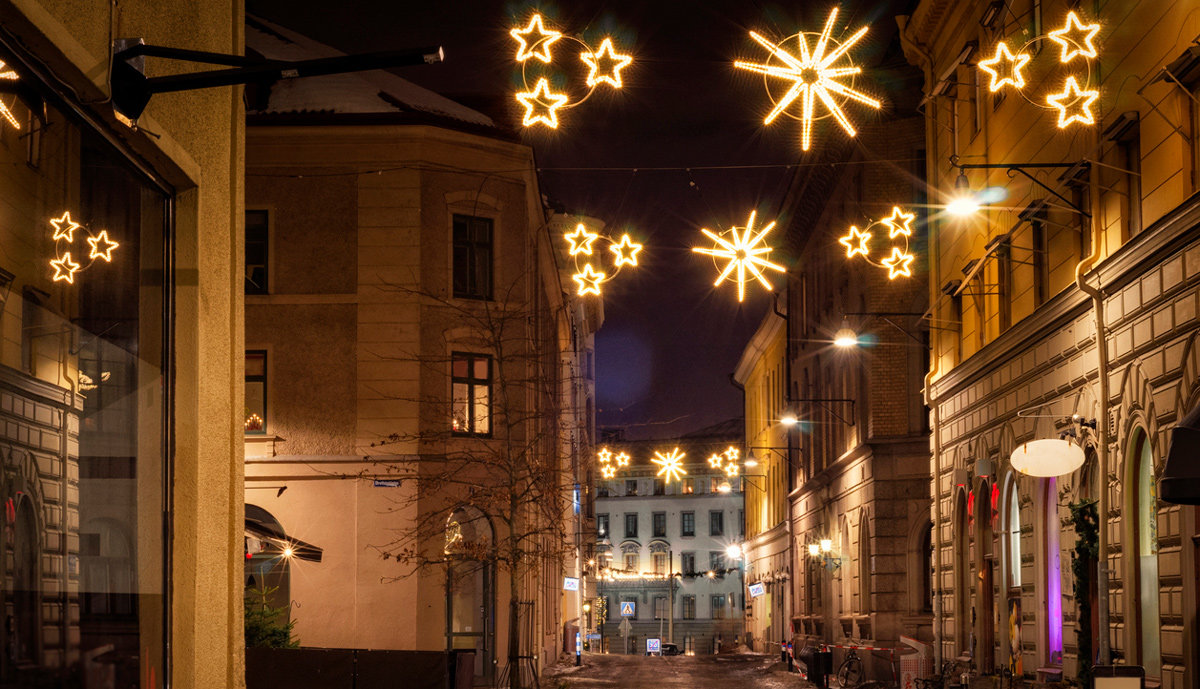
(470, 589)
(1144, 556)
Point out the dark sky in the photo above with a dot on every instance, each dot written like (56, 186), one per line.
(670, 339)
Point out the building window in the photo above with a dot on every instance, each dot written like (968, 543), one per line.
(255, 417)
(1041, 263)
(716, 523)
(1004, 278)
(659, 562)
(631, 525)
(631, 562)
(472, 257)
(256, 252)
(687, 563)
(718, 606)
(660, 487)
(689, 607)
(687, 524)
(1125, 176)
(660, 524)
(714, 485)
(630, 487)
(660, 607)
(716, 561)
(742, 523)
(602, 525)
(689, 486)
(471, 382)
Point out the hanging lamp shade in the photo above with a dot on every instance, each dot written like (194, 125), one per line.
(1180, 481)
(1047, 457)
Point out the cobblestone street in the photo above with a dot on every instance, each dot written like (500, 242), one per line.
(682, 672)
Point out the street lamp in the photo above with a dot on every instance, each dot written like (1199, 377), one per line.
(734, 551)
(845, 336)
(964, 202)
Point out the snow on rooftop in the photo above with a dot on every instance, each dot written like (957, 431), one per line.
(371, 92)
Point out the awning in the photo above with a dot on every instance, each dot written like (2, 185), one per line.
(1180, 481)
(271, 534)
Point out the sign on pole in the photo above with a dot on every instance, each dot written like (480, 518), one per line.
(628, 608)
(570, 584)
(653, 646)
(757, 590)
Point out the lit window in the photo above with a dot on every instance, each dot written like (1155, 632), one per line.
(471, 380)
(660, 563)
(255, 417)
(472, 257)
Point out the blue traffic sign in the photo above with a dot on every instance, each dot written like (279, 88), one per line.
(627, 608)
(653, 646)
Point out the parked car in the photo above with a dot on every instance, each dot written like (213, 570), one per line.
(671, 650)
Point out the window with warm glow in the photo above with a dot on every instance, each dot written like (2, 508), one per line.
(602, 525)
(471, 394)
(255, 417)
(659, 561)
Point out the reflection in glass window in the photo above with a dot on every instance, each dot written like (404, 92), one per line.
(471, 391)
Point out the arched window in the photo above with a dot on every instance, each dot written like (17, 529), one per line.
(864, 564)
(23, 638)
(1051, 580)
(1012, 534)
(1144, 554)
(962, 573)
(470, 577)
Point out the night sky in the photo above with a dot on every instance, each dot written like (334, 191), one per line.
(670, 339)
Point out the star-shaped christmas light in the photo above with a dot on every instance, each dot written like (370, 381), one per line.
(671, 464)
(899, 223)
(535, 40)
(731, 453)
(608, 472)
(898, 263)
(856, 242)
(604, 455)
(65, 268)
(746, 253)
(541, 104)
(64, 227)
(581, 240)
(7, 74)
(626, 251)
(813, 76)
(1075, 38)
(589, 280)
(1077, 101)
(716, 461)
(622, 459)
(96, 242)
(613, 63)
(731, 469)
(1011, 73)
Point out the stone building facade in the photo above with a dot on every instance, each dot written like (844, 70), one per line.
(1069, 298)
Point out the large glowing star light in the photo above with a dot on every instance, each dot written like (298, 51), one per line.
(541, 104)
(64, 227)
(612, 61)
(746, 253)
(899, 223)
(856, 242)
(101, 240)
(7, 74)
(626, 251)
(898, 263)
(581, 240)
(589, 280)
(1075, 38)
(535, 40)
(814, 77)
(1074, 104)
(1010, 73)
(671, 464)
(65, 268)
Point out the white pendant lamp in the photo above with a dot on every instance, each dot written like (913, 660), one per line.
(1047, 457)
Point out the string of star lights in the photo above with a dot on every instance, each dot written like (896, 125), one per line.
(587, 276)
(670, 464)
(610, 464)
(898, 224)
(815, 75)
(1075, 39)
(535, 43)
(746, 253)
(726, 461)
(99, 244)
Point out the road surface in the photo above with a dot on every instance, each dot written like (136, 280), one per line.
(727, 671)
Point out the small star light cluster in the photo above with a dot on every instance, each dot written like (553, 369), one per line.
(815, 75)
(726, 461)
(670, 464)
(587, 277)
(610, 463)
(100, 247)
(535, 43)
(745, 253)
(899, 225)
(1074, 40)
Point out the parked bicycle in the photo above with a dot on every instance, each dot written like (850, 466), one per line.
(850, 673)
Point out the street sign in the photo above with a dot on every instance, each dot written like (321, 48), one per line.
(628, 608)
(653, 646)
(592, 636)
(386, 483)
(570, 584)
(757, 590)
(625, 627)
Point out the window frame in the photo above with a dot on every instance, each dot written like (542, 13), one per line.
(684, 531)
(265, 287)
(631, 533)
(688, 605)
(657, 518)
(603, 528)
(718, 602)
(263, 378)
(472, 382)
(472, 291)
(716, 518)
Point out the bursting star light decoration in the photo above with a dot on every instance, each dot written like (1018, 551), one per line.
(716, 460)
(63, 235)
(899, 224)
(746, 253)
(613, 63)
(1075, 38)
(581, 240)
(541, 104)
(1074, 104)
(64, 227)
(535, 40)
(1011, 73)
(622, 459)
(579, 245)
(626, 251)
(815, 75)
(589, 280)
(671, 464)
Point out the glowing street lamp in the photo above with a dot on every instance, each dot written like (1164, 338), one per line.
(734, 551)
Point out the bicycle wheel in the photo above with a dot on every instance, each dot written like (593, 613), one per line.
(850, 674)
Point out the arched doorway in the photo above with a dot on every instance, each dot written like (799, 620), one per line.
(985, 620)
(962, 573)
(1050, 579)
(1142, 507)
(1010, 510)
(470, 587)
(22, 638)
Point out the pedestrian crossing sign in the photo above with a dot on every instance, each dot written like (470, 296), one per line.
(627, 608)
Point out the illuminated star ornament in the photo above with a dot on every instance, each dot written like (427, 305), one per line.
(671, 464)
(587, 276)
(1011, 72)
(746, 253)
(7, 74)
(815, 75)
(541, 102)
(899, 224)
(607, 468)
(1074, 104)
(64, 230)
(1075, 38)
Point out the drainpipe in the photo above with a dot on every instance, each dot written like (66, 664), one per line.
(1097, 295)
(790, 462)
(912, 47)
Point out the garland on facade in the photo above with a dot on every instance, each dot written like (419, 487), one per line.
(1083, 559)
